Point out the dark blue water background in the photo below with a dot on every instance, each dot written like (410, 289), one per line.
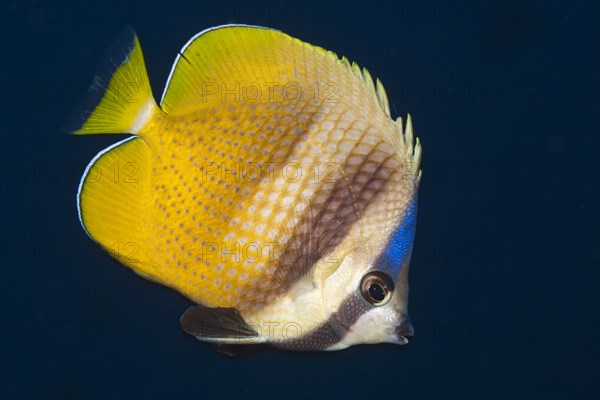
(504, 278)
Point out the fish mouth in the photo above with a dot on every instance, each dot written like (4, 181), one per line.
(404, 330)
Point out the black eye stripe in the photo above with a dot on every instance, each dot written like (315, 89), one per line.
(335, 328)
(331, 331)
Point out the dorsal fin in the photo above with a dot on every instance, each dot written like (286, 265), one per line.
(220, 63)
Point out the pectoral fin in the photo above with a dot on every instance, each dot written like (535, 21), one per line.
(218, 325)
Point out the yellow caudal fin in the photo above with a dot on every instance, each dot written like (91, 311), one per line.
(119, 100)
(113, 202)
(241, 63)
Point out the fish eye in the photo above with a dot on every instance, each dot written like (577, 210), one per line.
(377, 288)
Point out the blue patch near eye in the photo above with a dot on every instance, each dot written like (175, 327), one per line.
(400, 244)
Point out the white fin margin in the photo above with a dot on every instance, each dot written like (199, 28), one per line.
(85, 174)
(196, 36)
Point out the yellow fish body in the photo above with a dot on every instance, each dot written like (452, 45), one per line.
(271, 187)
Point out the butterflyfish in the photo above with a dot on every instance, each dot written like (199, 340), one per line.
(270, 186)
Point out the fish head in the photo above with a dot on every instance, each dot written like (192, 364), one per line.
(358, 293)
(375, 310)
